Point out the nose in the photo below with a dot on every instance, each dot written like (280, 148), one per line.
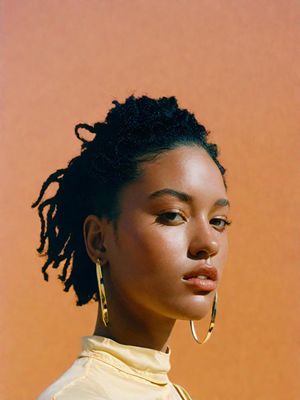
(203, 243)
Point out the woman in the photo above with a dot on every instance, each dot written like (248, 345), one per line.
(139, 224)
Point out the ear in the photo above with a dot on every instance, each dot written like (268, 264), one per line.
(93, 232)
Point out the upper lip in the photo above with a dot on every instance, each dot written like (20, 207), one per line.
(204, 269)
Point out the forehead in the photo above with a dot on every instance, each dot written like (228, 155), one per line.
(187, 163)
(188, 169)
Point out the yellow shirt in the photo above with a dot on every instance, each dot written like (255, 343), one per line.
(107, 370)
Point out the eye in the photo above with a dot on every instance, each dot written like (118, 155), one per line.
(221, 223)
(170, 216)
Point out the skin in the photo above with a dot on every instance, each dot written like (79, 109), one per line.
(143, 265)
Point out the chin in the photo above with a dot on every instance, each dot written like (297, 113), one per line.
(200, 307)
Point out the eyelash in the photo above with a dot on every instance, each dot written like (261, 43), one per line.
(164, 218)
(226, 221)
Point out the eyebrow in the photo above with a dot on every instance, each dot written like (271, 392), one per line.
(184, 196)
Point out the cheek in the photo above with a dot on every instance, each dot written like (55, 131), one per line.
(150, 247)
(146, 257)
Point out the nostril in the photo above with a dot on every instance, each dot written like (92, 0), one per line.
(202, 254)
(199, 255)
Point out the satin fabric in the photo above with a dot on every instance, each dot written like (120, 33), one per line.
(108, 370)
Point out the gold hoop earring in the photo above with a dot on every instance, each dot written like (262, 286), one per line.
(211, 325)
(102, 295)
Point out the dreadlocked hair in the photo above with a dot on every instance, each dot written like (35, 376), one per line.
(133, 132)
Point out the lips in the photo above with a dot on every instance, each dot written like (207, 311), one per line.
(204, 277)
(207, 270)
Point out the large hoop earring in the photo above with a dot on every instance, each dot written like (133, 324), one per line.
(211, 325)
(102, 295)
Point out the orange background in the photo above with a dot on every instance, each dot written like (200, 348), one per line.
(234, 64)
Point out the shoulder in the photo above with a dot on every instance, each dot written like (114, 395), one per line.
(77, 383)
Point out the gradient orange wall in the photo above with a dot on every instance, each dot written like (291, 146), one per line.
(235, 65)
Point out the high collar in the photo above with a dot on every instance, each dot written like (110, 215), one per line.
(152, 365)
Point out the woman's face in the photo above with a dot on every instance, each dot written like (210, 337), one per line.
(171, 223)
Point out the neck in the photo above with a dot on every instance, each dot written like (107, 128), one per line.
(137, 328)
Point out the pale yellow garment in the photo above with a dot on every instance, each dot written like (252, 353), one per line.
(107, 370)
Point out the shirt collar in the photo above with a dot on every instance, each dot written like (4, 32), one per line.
(152, 365)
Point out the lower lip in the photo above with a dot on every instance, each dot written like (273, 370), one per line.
(201, 284)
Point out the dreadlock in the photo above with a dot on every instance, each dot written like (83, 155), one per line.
(133, 132)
